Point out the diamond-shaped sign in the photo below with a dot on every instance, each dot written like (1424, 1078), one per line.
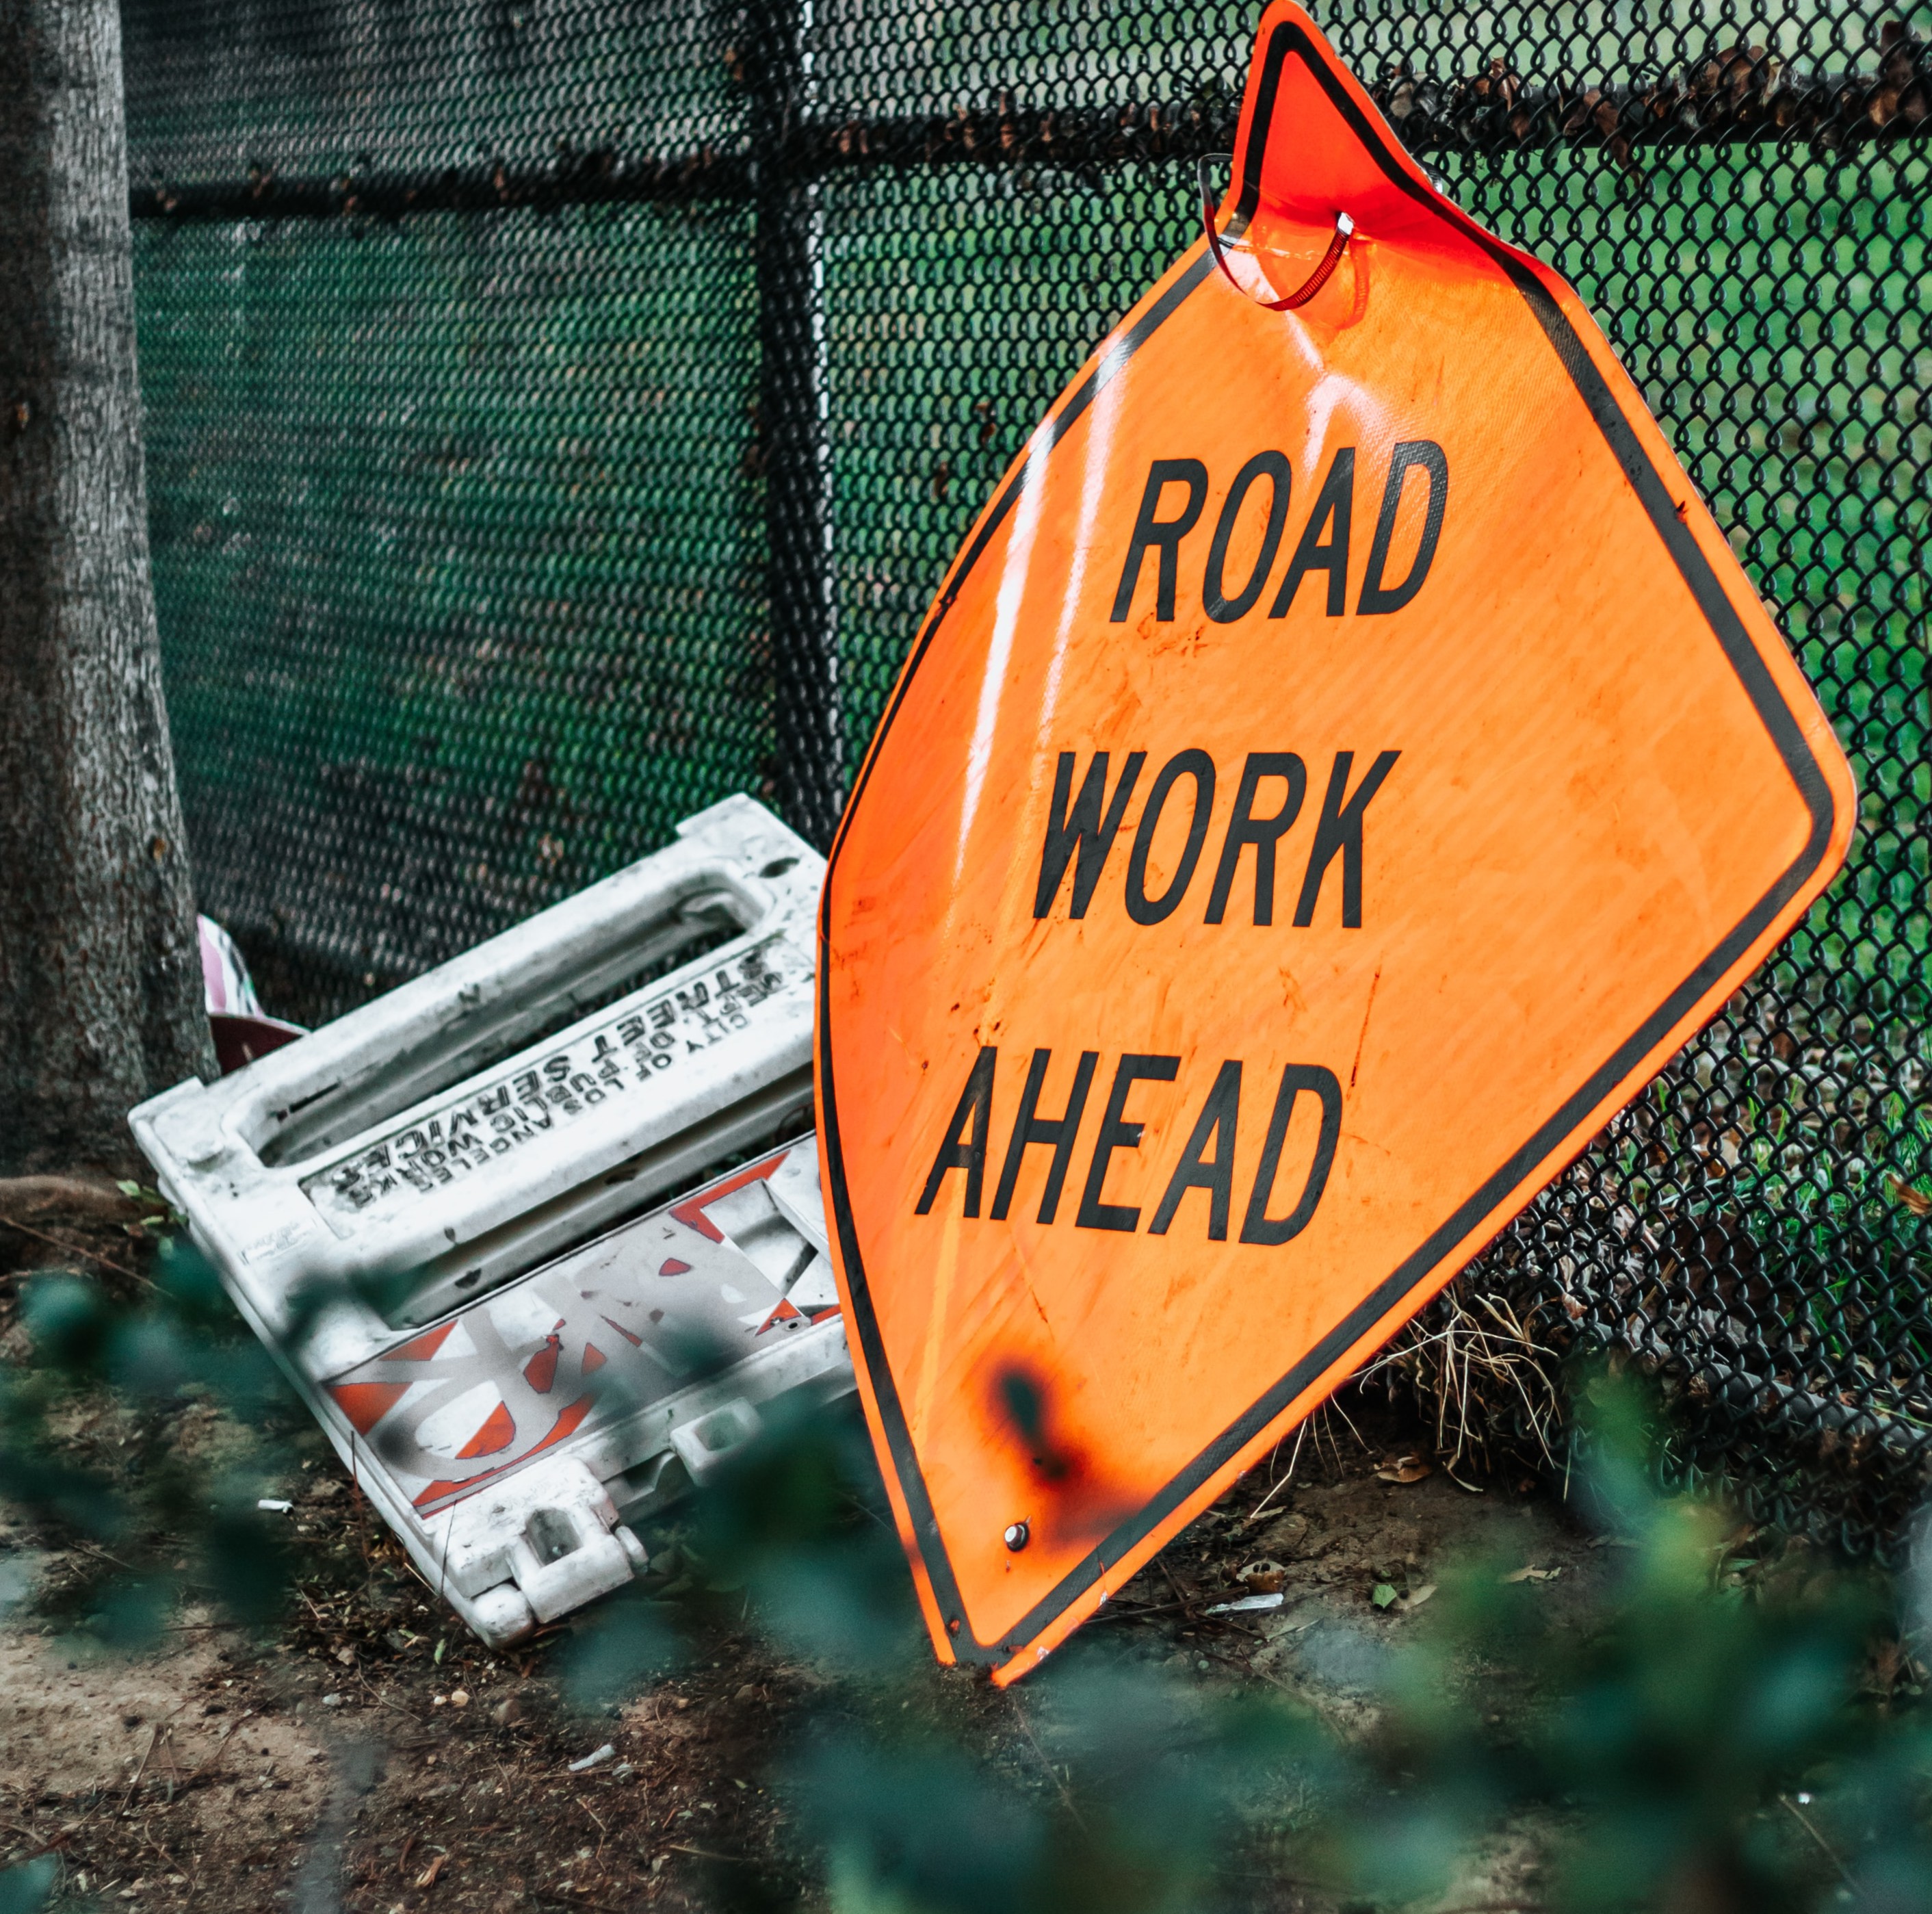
(1344, 763)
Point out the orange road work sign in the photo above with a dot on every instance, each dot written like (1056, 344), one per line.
(1344, 763)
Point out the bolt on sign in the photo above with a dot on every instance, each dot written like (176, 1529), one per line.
(1344, 763)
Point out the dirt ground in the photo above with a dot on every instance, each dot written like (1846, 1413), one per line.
(368, 1755)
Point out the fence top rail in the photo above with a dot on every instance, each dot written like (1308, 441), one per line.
(1741, 96)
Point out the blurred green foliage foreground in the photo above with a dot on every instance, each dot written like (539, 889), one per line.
(1706, 1740)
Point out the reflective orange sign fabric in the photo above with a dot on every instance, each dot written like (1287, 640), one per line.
(1345, 761)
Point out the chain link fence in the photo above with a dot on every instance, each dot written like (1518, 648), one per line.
(560, 413)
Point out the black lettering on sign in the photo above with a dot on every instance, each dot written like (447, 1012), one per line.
(1079, 833)
(1340, 829)
(965, 1145)
(1200, 766)
(1376, 597)
(1116, 1134)
(1030, 1128)
(1323, 545)
(1152, 532)
(1215, 600)
(1257, 1225)
(1220, 1119)
(1076, 825)
(1334, 508)
(1245, 829)
(1207, 1159)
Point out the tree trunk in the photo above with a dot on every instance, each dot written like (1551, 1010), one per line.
(100, 993)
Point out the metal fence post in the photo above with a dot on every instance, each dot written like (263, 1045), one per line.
(809, 774)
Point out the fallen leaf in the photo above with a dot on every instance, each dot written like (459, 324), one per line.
(1916, 1201)
(1404, 1469)
(1384, 1595)
(1533, 1574)
(1417, 1597)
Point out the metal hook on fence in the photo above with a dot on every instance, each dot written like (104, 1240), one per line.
(1338, 245)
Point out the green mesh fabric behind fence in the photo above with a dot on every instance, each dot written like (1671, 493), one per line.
(453, 533)
(561, 413)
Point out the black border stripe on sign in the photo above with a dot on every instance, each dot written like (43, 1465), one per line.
(1726, 625)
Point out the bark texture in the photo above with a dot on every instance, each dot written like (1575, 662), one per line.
(100, 993)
